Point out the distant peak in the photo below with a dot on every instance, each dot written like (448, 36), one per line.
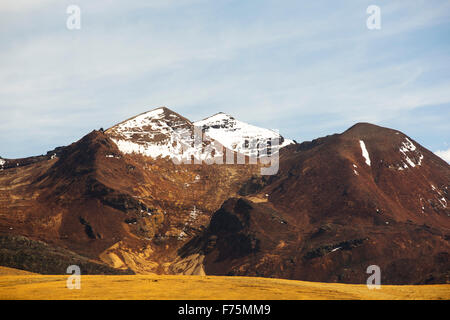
(153, 112)
(163, 109)
(368, 129)
(166, 112)
(362, 125)
(220, 116)
(159, 113)
(372, 134)
(158, 110)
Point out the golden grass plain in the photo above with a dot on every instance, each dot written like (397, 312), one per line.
(26, 286)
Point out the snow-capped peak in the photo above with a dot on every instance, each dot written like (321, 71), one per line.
(156, 133)
(237, 135)
(164, 133)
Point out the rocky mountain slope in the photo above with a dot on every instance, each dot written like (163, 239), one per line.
(127, 208)
(370, 195)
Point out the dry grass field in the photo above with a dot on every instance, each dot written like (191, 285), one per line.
(22, 285)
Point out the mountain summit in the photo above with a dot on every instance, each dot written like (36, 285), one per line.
(156, 133)
(164, 133)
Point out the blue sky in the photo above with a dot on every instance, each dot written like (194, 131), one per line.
(306, 68)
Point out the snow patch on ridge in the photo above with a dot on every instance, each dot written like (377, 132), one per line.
(365, 154)
(411, 154)
(407, 146)
(443, 202)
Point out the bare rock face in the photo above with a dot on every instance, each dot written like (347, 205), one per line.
(338, 204)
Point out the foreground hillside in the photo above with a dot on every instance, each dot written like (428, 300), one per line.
(197, 287)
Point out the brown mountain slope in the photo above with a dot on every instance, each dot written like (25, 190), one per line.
(330, 212)
(126, 210)
(338, 204)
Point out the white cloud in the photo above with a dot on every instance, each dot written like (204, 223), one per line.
(444, 154)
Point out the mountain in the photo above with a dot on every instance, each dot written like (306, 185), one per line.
(166, 134)
(130, 207)
(338, 204)
(157, 133)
